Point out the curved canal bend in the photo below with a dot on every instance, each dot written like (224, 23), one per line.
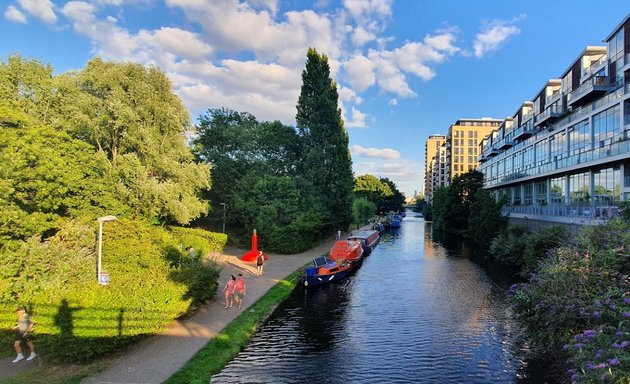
(414, 312)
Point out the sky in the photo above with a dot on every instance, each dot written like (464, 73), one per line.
(404, 69)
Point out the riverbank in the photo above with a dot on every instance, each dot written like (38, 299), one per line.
(156, 358)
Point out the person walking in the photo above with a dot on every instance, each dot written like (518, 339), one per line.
(229, 291)
(23, 333)
(260, 262)
(239, 290)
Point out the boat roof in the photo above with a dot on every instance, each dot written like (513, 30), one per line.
(362, 234)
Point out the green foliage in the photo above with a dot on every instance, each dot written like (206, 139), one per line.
(507, 247)
(202, 241)
(579, 296)
(362, 210)
(287, 220)
(485, 219)
(427, 212)
(56, 280)
(539, 243)
(624, 211)
(326, 160)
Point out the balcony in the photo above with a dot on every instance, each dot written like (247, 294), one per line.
(549, 115)
(593, 88)
(551, 99)
(523, 132)
(493, 151)
(594, 67)
(507, 141)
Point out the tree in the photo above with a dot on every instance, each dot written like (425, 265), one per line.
(132, 117)
(395, 201)
(485, 219)
(326, 160)
(374, 190)
(362, 210)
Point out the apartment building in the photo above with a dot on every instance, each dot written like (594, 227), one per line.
(430, 149)
(462, 144)
(565, 155)
(439, 172)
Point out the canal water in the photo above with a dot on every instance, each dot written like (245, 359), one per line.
(414, 312)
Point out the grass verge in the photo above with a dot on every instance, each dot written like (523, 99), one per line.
(228, 343)
(62, 374)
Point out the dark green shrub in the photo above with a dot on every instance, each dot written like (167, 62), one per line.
(507, 248)
(539, 243)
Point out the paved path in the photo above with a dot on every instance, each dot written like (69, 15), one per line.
(157, 358)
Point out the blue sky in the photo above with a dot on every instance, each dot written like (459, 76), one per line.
(405, 69)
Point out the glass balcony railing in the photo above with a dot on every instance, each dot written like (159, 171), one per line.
(595, 67)
(596, 83)
(620, 147)
(550, 99)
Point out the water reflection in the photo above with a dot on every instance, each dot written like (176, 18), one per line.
(414, 312)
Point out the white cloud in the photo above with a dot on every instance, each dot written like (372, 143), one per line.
(14, 14)
(360, 72)
(41, 9)
(267, 52)
(379, 153)
(361, 36)
(492, 36)
(393, 102)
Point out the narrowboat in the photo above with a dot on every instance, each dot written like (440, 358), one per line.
(323, 271)
(348, 250)
(396, 221)
(368, 238)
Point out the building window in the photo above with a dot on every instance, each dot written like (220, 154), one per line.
(579, 189)
(517, 195)
(579, 138)
(558, 190)
(542, 152)
(558, 142)
(607, 187)
(470, 142)
(541, 192)
(605, 126)
(470, 159)
(528, 191)
(470, 134)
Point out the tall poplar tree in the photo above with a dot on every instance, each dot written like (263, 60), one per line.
(326, 160)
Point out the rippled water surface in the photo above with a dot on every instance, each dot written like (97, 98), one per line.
(413, 313)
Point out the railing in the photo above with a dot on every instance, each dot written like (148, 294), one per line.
(578, 211)
(527, 116)
(589, 86)
(555, 96)
(553, 111)
(595, 67)
(614, 149)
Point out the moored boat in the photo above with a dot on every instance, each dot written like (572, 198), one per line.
(323, 271)
(347, 250)
(368, 238)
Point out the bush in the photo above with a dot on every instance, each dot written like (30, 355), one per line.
(539, 243)
(202, 241)
(507, 247)
(77, 319)
(578, 303)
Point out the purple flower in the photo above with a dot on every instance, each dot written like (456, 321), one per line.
(626, 314)
(626, 300)
(578, 337)
(589, 333)
(624, 344)
(615, 345)
(590, 366)
(612, 362)
(612, 306)
(619, 333)
(596, 314)
(598, 355)
(579, 345)
(598, 303)
(601, 365)
(570, 371)
(565, 347)
(575, 377)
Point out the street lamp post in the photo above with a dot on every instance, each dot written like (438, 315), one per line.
(223, 204)
(101, 220)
